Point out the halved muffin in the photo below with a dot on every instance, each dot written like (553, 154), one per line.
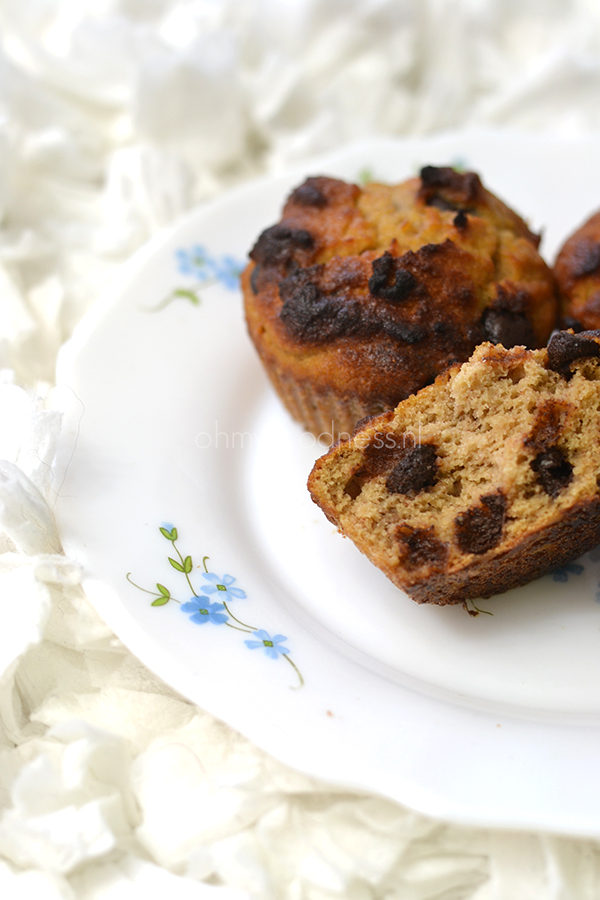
(480, 482)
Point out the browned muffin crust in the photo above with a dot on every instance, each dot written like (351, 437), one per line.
(577, 271)
(358, 297)
(483, 480)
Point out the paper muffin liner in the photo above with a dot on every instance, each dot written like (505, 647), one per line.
(327, 414)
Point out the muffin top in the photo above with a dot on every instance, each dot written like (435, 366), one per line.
(378, 289)
(577, 271)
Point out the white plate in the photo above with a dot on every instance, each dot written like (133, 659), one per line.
(492, 720)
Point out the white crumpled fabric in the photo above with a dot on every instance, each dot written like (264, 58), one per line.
(117, 116)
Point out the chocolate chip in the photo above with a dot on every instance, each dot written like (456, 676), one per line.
(381, 456)
(317, 310)
(276, 245)
(421, 546)
(479, 528)
(461, 220)
(564, 348)
(547, 426)
(434, 176)
(438, 177)
(353, 487)
(585, 258)
(506, 321)
(415, 470)
(308, 194)
(315, 317)
(503, 326)
(384, 450)
(553, 469)
(390, 281)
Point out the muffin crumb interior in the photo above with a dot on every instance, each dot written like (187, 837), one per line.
(505, 444)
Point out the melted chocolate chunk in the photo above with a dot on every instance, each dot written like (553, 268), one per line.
(461, 220)
(421, 546)
(276, 245)
(353, 486)
(308, 194)
(416, 469)
(435, 178)
(553, 469)
(385, 449)
(565, 348)
(383, 453)
(312, 316)
(479, 529)
(502, 326)
(315, 315)
(324, 302)
(506, 322)
(547, 426)
(390, 281)
(586, 258)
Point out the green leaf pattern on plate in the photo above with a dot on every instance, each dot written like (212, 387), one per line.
(211, 603)
(203, 270)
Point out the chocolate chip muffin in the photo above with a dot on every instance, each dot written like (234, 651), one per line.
(359, 297)
(480, 482)
(577, 271)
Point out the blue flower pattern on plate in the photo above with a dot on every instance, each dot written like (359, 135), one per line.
(228, 272)
(196, 262)
(271, 645)
(564, 573)
(204, 270)
(203, 607)
(222, 585)
(211, 602)
(202, 611)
